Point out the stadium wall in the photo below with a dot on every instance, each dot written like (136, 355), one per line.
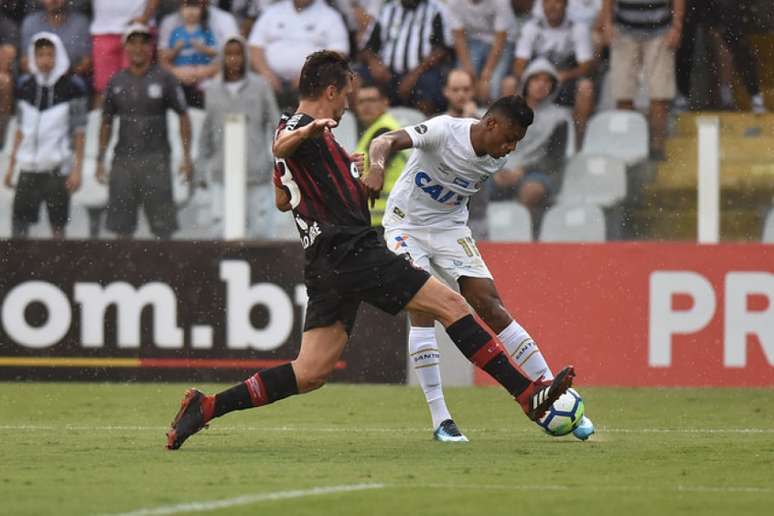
(630, 314)
(645, 314)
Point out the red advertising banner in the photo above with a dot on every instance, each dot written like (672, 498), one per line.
(645, 314)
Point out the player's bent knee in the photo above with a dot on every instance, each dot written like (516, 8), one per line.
(456, 306)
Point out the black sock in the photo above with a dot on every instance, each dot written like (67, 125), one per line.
(479, 347)
(264, 387)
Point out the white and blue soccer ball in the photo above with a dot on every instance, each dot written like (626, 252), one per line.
(564, 415)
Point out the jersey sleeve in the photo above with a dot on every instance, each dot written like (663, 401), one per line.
(428, 135)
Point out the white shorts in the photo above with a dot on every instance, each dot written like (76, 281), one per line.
(452, 253)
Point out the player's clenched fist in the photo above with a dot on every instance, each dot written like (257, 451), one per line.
(374, 181)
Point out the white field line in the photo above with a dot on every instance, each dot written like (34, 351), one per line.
(204, 506)
(559, 487)
(348, 429)
(247, 500)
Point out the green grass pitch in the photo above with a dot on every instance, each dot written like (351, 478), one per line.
(367, 450)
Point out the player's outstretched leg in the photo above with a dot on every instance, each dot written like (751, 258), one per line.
(425, 357)
(482, 295)
(320, 349)
(485, 351)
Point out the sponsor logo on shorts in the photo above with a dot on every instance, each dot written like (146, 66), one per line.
(397, 211)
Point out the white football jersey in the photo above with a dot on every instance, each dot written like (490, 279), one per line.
(441, 174)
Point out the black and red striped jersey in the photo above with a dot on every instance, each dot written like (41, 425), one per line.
(328, 199)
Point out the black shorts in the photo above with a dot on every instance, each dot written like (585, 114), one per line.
(370, 273)
(36, 188)
(145, 181)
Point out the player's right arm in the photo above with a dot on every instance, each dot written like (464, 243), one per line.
(288, 140)
(428, 136)
(379, 153)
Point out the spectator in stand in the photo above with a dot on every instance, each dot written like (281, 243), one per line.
(480, 29)
(190, 50)
(72, 28)
(533, 170)
(643, 35)
(413, 78)
(52, 108)
(461, 100)
(245, 12)
(238, 90)
(567, 45)
(9, 42)
(460, 95)
(140, 175)
(359, 15)
(726, 17)
(285, 34)
(221, 23)
(111, 18)
(578, 11)
(374, 120)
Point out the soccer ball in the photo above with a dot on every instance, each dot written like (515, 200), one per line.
(564, 415)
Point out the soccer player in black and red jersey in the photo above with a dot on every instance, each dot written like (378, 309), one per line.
(348, 263)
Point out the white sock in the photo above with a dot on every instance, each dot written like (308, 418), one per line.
(525, 352)
(424, 355)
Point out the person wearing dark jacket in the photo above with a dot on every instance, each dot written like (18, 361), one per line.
(48, 147)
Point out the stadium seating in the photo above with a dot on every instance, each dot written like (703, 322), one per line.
(594, 179)
(508, 221)
(407, 116)
(573, 223)
(768, 228)
(619, 134)
(346, 132)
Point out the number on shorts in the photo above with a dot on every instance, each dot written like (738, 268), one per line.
(289, 183)
(469, 246)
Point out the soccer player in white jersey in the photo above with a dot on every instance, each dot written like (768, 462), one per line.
(426, 217)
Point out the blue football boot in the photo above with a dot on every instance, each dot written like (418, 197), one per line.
(447, 432)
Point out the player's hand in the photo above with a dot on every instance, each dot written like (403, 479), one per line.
(319, 126)
(358, 158)
(101, 174)
(186, 169)
(73, 181)
(373, 182)
(179, 44)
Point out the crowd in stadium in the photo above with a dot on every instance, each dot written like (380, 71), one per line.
(568, 58)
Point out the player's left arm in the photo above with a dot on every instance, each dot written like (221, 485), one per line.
(380, 151)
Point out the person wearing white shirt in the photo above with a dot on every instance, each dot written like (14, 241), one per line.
(111, 18)
(480, 29)
(567, 45)
(285, 34)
